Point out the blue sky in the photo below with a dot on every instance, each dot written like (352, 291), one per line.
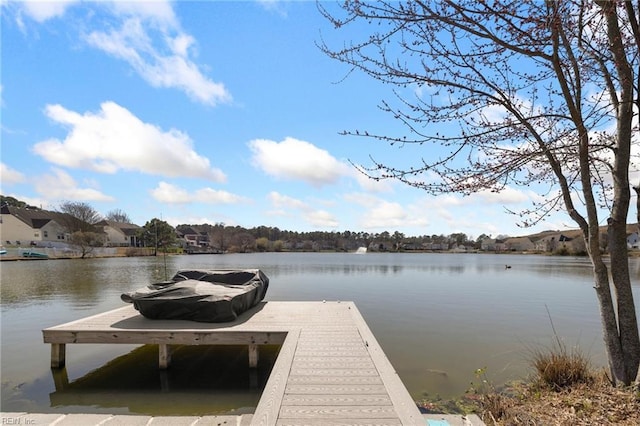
(207, 112)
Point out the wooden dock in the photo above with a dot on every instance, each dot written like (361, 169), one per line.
(330, 369)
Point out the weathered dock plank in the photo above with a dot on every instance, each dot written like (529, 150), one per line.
(337, 412)
(333, 362)
(333, 372)
(334, 380)
(322, 389)
(342, 397)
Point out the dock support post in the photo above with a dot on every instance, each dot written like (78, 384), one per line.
(164, 356)
(58, 351)
(253, 355)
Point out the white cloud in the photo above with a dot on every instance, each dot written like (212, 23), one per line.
(149, 39)
(168, 193)
(508, 196)
(285, 202)
(171, 194)
(208, 195)
(159, 12)
(277, 212)
(288, 206)
(480, 213)
(41, 11)
(276, 6)
(448, 200)
(370, 184)
(297, 160)
(61, 186)
(114, 139)
(294, 159)
(364, 200)
(322, 218)
(163, 60)
(385, 214)
(10, 176)
(380, 213)
(448, 215)
(470, 214)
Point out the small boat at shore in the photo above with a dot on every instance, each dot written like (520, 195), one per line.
(34, 254)
(3, 250)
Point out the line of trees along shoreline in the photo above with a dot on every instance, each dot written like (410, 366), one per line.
(80, 219)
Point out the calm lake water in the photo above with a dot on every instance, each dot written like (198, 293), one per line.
(438, 318)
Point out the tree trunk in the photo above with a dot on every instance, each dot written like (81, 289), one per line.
(608, 318)
(626, 367)
(637, 189)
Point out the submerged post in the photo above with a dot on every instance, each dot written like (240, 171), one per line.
(164, 356)
(60, 379)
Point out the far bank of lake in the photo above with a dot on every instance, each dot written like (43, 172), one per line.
(438, 317)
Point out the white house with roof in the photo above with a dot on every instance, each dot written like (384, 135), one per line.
(120, 234)
(22, 226)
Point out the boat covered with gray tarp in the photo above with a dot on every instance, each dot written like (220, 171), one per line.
(201, 295)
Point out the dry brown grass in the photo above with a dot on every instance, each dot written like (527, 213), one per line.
(559, 367)
(533, 403)
(580, 404)
(564, 390)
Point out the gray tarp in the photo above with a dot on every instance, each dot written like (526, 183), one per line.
(201, 295)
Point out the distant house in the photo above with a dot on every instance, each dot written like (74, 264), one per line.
(380, 246)
(519, 244)
(490, 244)
(23, 226)
(547, 243)
(411, 246)
(435, 246)
(568, 242)
(572, 244)
(120, 234)
(487, 244)
(460, 248)
(193, 238)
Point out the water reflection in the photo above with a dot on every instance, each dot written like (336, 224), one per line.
(78, 282)
(202, 380)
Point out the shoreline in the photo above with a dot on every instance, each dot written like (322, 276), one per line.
(14, 257)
